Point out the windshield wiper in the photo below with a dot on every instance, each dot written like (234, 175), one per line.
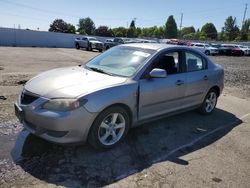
(99, 70)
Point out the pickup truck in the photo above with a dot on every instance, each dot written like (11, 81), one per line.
(89, 43)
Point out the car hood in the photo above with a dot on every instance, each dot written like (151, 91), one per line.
(96, 41)
(70, 82)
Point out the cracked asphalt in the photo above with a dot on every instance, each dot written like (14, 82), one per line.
(186, 150)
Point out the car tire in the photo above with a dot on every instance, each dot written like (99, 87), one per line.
(207, 52)
(107, 47)
(209, 102)
(77, 46)
(89, 48)
(109, 128)
(100, 50)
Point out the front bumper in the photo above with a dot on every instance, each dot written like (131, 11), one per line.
(59, 127)
(97, 46)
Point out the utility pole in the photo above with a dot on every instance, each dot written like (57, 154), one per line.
(244, 14)
(181, 21)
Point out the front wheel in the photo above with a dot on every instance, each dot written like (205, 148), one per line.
(77, 46)
(207, 52)
(89, 48)
(109, 128)
(209, 102)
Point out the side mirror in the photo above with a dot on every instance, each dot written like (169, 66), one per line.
(158, 73)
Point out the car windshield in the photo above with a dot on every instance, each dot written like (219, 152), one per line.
(90, 39)
(120, 61)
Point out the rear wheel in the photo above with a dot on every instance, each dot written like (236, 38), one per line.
(100, 50)
(209, 102)
(109, 128)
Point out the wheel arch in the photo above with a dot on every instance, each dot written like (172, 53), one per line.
(125, 107)
(122, 105)
(216, 88)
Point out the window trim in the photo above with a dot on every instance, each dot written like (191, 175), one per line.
(181, 62)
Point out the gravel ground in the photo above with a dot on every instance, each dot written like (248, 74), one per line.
(39, 163)
(237, 74)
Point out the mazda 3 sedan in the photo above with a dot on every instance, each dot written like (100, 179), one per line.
(123, 87)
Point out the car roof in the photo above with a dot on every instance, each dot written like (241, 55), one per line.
(151, 46)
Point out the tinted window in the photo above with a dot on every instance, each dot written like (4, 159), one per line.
(194, 62)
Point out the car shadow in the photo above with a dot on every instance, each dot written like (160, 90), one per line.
(164, 140)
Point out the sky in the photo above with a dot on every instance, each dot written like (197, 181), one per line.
(34, 14)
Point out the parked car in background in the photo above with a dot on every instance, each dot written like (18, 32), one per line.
(109, 40)
(116, 41)
(245, 49)
(89, 43)
(205, 48)
(176, 42)
(125, 86)
(233, 49)
(223, 50)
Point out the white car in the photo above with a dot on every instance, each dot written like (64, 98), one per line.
(205, 48)
(245, 49)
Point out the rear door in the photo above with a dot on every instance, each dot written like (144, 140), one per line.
(162, 95)
(197, 76)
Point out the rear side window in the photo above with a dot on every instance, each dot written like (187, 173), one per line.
(194, 62)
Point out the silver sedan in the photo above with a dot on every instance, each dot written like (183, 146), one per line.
(119, 89)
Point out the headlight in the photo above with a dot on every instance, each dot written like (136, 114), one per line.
(64, 104)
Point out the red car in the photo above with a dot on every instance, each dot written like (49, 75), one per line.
(235, 50)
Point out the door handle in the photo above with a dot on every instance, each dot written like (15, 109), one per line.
(179, 82)
(205, 77)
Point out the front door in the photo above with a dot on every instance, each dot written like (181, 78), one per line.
(163, 95)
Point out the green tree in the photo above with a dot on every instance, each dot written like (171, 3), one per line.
(71, 28)
(208, 31)
(245, 30)
(132, 30)
(103, 31)
(187, 30)
(158, 32)
(138, 31)
(230, 28)
(59, 25)
(171, 28)
(120, 32)
(86, 26)
(132, 24)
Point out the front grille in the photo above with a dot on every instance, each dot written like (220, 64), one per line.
(27, 98)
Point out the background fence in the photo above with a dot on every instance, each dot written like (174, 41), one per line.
(28, 38)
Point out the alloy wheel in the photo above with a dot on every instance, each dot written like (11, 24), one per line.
(111, 129)
(211, 102)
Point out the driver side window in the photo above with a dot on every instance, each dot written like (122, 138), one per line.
(169, 62)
